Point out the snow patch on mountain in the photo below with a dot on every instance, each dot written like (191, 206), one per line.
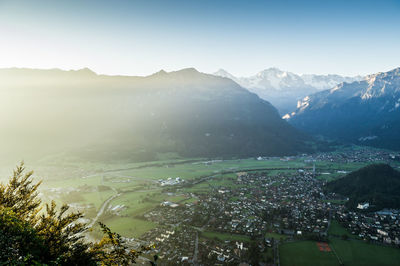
(274, 78)
(367, 138)
(285, 89)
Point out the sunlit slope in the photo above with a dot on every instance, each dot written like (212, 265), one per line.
(365, 112)
(119, 117)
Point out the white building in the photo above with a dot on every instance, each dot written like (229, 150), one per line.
(363, 206)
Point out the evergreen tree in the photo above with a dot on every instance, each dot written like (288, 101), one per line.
(54, 237)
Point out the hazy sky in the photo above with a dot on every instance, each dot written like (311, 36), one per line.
(243, 37)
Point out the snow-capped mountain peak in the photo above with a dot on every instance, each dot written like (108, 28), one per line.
(223, 73)
(283, 88)
(365, 111)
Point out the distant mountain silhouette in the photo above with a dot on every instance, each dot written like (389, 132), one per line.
(186, 112)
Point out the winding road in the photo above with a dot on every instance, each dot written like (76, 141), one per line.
(196, 250)
(102, 209)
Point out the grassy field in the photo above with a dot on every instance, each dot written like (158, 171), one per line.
(189, 200)
(338, 230)
(305, 253)
(130, 227)
(350, 252)
(276, 172)
(137, 203)
(358, 253)
(225, 236)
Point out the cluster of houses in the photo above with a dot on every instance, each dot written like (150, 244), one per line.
(288, 204)
(382, 226)
(253, 205)
(170, 181)
(228, 252)
(116, 210)
(284, 206)
(174, 245)
(361, 154)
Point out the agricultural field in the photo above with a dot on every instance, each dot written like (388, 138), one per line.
(338, 230)
(131, 227)
(359, 253)
(305, 253)
(225, 236)
(350, 252)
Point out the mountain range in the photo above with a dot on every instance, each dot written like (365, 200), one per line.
(362, 112)
(97, 116)
(284, 89)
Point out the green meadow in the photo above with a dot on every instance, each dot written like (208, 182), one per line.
(305, 253)
(359, 253)
(349, 252)
(225, 236)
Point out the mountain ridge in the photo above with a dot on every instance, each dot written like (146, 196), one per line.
(283, 88)
(361, 112)
(186, 112)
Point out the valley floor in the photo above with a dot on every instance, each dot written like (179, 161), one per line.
(229, 211)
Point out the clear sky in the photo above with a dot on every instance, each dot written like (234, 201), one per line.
(141, 37)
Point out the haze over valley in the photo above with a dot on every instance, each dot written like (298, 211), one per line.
(185, 112)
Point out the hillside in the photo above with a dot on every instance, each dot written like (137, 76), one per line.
(121, 117)
(377, 184)
(364, 112)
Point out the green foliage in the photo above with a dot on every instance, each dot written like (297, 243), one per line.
(19, 242)
(305, 253)
(378, 184)
(112, 251)
(55, 237)
(20, 195)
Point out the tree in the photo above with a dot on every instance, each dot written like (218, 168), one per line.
(254, 253)
(116, 250)
(54, 237)
(21, 196)
(19, 242)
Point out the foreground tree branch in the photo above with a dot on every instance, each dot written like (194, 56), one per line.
(54, 237)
